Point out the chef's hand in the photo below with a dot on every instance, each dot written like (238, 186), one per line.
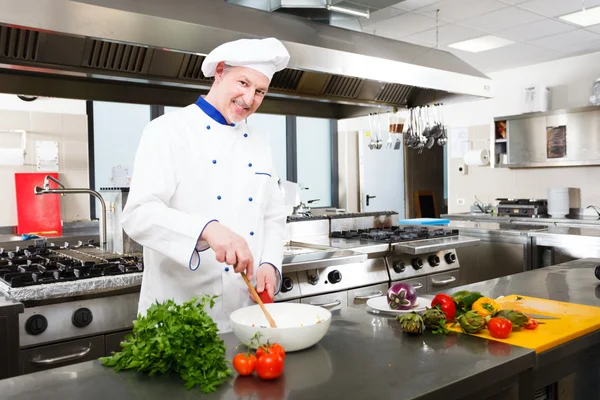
(266, 279)
(229, 247)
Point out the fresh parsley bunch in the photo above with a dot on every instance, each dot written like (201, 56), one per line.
(174, 338)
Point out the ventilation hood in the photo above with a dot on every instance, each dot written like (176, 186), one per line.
(150, 52)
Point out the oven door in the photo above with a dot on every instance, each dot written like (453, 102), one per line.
(357, 298)
(443, 281)
(59, 355)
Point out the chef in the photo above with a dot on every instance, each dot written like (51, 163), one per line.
(204, 200)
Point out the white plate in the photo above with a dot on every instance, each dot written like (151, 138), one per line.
(380, 304)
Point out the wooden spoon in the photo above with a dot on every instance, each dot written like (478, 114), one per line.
(258, 300)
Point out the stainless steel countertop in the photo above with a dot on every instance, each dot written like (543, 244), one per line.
(363, 356)
(346, 244)
(580, 220)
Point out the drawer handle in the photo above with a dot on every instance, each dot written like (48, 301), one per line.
(68, 357)
(443, 281)
(417, 286)
(369, 296)
(332, 304)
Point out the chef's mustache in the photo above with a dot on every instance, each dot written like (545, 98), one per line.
(241, 103)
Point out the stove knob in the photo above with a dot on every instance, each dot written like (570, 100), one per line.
(287, 284)
(450, 258)
(434, 260)
(417, 263)
(398, 266)
(36, 324)
(82, 317)
(334, 276)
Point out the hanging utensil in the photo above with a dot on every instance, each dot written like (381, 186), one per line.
(443, 138)
(421, 140)
(398, 142)
(258, 300)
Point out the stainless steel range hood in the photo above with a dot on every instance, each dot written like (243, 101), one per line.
(150, 52)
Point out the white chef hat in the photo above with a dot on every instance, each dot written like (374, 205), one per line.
(264, 55)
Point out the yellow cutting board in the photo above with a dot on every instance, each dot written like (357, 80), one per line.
(575, 320)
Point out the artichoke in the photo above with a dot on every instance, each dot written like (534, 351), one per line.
(471, 322)
(411, 323)
(517, 318)
(434, 317)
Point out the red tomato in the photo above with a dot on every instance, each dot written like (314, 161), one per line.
(499, 327)
(244, 363)
(531, 324)
(274, 348)
(269, 366)
(446, 304)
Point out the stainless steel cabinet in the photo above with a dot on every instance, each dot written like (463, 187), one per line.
(357, 298)
(492, 259)
(58, 355)
(443, 281)
(331, 301)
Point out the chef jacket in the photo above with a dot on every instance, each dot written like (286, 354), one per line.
(192, 168)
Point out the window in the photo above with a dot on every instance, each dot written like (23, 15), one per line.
(118, 129)
(303, 149)
(274, 127)
(169, 109)
(314, 160)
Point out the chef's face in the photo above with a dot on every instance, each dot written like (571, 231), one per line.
(241, 91)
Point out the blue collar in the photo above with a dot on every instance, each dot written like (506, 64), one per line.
(211, 111)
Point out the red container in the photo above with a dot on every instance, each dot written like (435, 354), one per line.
(37, 213)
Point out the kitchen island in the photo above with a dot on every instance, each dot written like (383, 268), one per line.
(366, 356)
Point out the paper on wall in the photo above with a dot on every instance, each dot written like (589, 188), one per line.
(120, 176)
(459, 142)
(47, 155)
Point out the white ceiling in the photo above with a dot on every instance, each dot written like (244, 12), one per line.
(533, 24)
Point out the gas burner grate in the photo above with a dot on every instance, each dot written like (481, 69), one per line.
(395, 234)
(42, 265)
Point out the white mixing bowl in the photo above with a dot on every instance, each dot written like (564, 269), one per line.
(299, 326)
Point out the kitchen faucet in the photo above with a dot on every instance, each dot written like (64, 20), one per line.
(63, 190)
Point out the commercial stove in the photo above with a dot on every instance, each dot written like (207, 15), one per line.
(422, 256)
(79, 301)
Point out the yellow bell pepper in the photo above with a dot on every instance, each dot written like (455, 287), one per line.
(485, 306)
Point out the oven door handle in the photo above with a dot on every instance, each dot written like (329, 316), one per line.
(331, 304)
(443, 281)
(58, 360)
(369, 296)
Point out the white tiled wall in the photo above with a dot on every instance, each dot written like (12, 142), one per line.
(70, 130)
(571, 82)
